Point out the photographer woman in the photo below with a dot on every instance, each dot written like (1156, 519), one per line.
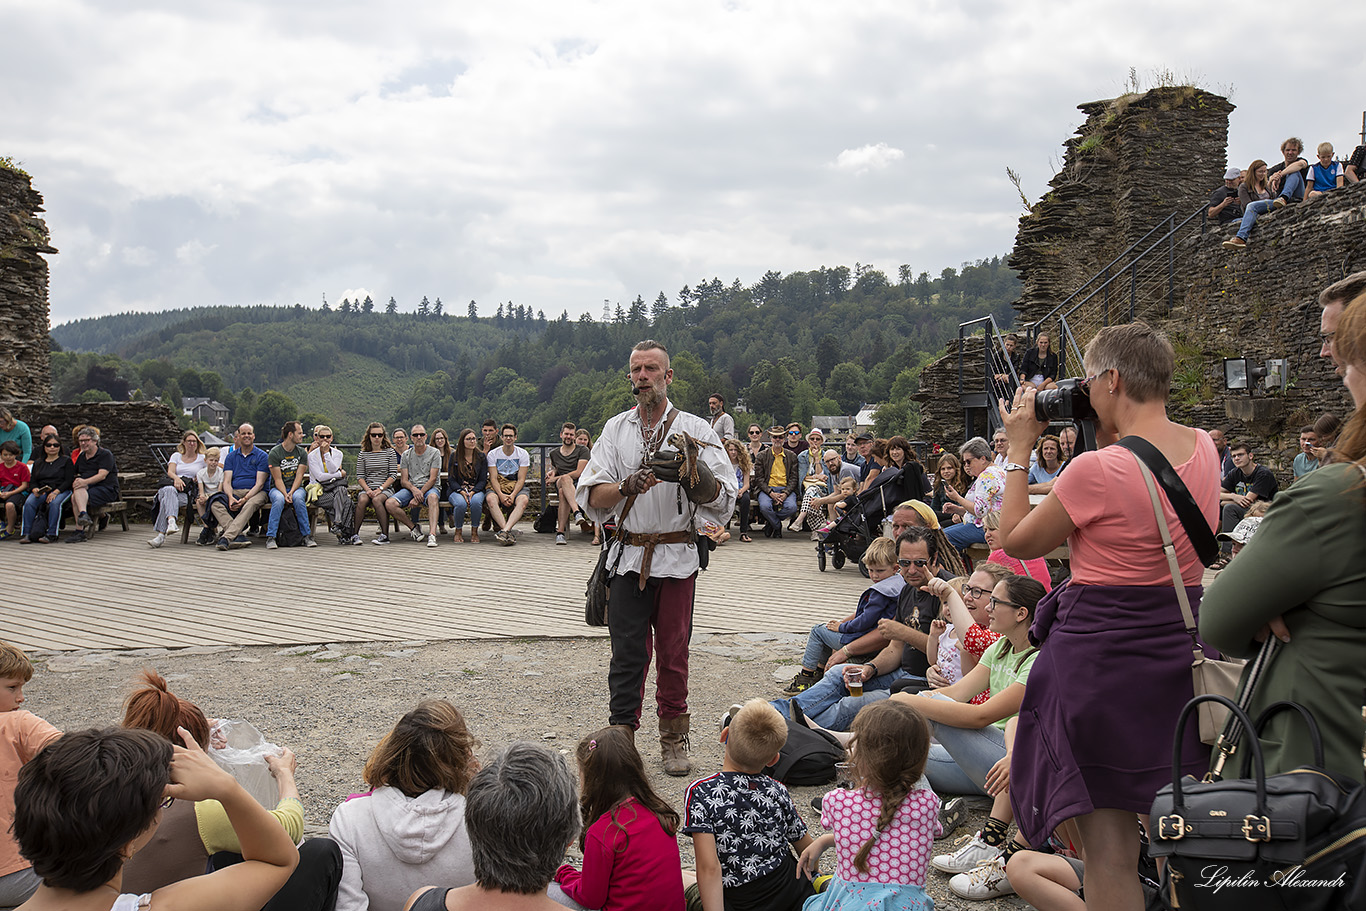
(1098, 753)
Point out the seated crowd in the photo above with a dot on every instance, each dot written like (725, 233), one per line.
(1251, 193)
(1054, 703)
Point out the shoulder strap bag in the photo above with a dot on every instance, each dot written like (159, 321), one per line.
(1209, 676)
(599, 583)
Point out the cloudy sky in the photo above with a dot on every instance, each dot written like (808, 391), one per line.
(559, 153)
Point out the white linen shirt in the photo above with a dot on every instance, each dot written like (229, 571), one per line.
(618, 452)
(324, 468)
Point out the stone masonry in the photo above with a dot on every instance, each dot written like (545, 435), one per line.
(25, 371)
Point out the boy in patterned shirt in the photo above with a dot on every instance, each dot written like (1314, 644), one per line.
(743, 824)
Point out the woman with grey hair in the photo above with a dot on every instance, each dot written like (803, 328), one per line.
(521, 812)
(983, 496)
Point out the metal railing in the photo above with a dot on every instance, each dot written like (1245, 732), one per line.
(983, 396)
(1141, 281)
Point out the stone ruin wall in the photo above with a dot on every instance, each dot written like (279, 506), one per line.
(1164, 153)
(25, 369)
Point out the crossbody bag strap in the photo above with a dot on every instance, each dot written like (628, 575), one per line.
(1192, 519)
(1169, 549)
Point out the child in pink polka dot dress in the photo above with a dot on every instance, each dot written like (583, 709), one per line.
(884, 829)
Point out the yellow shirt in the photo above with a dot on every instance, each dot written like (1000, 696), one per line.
(777, 477)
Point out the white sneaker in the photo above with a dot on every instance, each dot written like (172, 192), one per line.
(970, 856)
(355, 539)
(171, 526)
(415, 533)
(560, 539)
(986, 882)
(380, 539)
(309, 542)
(431, 540)
(271, 545)
(157, 541)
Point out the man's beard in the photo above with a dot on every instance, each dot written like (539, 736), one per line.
(648, 396)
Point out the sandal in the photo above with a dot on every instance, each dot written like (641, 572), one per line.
(746, 539)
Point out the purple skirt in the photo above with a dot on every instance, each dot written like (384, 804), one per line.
(1100, 706)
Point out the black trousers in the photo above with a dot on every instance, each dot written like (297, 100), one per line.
(313, 884)
(657, 620)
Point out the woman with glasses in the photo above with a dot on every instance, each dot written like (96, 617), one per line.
(983, 496)
(325, 468)
(972, 751)
(377, 474)
(962, 636)
(50, 477)
(467, 481)
(171, 498)
(441, 442)
(89, 801)
(1118, 617)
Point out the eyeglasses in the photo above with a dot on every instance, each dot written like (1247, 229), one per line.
(755, 432)
(419, 434)
(794, 433)
(377, 434)
(324, 436)
(916, 563)
(166, 804)
(1327, 337)
(1085, 385)
(995, 602)
(973, 592)
(53, 445)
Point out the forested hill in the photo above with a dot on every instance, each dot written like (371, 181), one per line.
(792, 345)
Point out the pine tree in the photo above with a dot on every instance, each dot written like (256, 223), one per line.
(474, 311)
(437, 308)
(425, 307)
(661, 306)
(367, 305)
(391, 307)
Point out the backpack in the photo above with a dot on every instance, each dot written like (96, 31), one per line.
(807, 758)
(545, 523)
(288, 534)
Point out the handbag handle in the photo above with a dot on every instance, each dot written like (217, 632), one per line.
(1260, 763)
(1315, 738)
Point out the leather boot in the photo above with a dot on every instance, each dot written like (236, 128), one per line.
(673, 742)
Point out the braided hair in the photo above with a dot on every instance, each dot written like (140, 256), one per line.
(890, 748)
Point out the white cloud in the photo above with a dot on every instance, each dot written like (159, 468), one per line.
(556, 152)
(867, 158)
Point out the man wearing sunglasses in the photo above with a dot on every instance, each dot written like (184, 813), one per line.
(902, 643)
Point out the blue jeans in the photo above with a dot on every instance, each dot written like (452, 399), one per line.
(475, 504)
(959, 762)
(964, 536)
(786, 511)
(829, 704)
(277, 507)
(54, 513)
(1292, 188)
(819, 645)
(1250, 214)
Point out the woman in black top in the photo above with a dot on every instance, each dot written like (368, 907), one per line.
(467, 476)
(50, 478)
(1040, 365)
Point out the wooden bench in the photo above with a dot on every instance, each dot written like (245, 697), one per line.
(117, 508)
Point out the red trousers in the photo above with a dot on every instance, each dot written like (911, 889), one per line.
(659, 620)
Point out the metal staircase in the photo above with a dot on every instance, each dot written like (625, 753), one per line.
(1139, 283)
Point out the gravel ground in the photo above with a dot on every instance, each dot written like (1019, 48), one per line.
(332, 703)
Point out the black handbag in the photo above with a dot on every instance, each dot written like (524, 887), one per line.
(1257, 843)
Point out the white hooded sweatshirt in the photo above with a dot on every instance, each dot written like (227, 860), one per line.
(392, 845)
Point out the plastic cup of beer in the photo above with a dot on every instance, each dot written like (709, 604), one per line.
(853, 680)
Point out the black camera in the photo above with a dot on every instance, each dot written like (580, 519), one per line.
(1065, 402)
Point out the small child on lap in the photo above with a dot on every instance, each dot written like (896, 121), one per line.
(877, 602)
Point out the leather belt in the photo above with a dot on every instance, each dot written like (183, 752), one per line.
(635, 539)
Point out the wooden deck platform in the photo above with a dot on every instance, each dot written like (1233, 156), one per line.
(115, 592)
